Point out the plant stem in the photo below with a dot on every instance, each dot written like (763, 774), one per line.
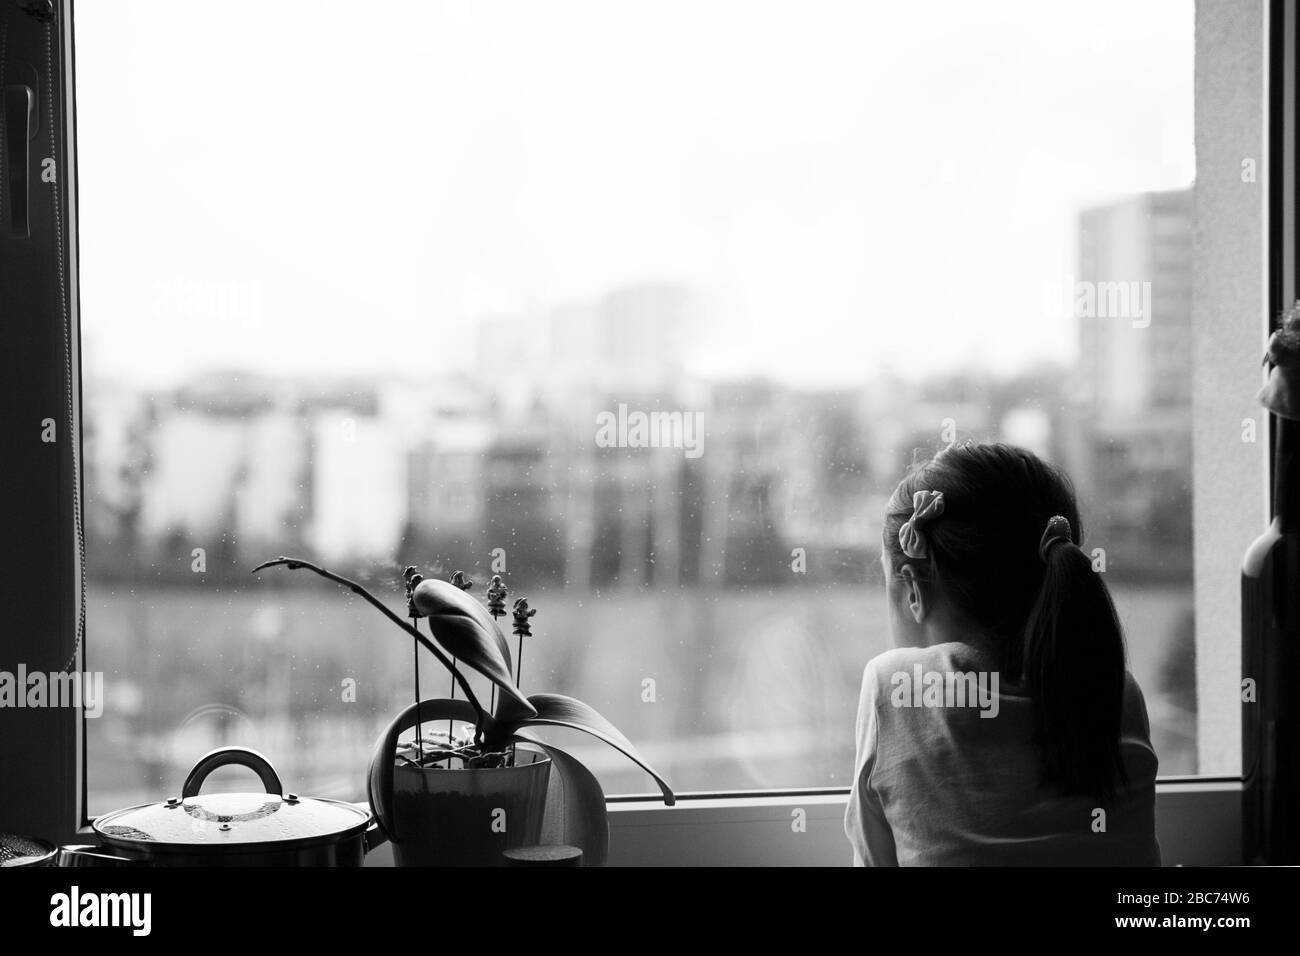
(294, 564)
(519, 673)
(419, 730)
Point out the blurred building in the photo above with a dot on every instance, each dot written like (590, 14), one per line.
(271, 504)
(630, 341)
(198, 459)
(448, 426)
(359, 487)
(521, 493)
(446, 484)
(1129, 449)
(1130, 365)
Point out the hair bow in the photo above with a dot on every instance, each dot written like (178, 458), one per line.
(926, 506)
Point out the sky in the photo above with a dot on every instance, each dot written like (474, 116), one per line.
(333, 188)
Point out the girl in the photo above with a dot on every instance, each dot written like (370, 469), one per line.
(1004, 727)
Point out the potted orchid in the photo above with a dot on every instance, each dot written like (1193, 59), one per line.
(463, 798)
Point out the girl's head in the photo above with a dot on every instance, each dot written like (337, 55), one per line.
(984, 538)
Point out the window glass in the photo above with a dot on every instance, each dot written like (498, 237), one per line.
(366, 288)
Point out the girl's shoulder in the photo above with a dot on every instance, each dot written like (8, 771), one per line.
(887, 670)
(953, 656)
(896, 660)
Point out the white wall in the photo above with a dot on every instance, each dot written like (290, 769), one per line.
(1228, 316)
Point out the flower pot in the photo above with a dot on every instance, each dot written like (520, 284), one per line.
(457, 817)
(468, 817)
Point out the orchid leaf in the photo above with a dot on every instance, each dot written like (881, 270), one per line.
(575, 805)
(379, 779)
(466, 631)
(557, 710)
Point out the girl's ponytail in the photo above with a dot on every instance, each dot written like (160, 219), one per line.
(1074, 669)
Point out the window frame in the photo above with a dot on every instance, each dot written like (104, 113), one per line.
(42, 766)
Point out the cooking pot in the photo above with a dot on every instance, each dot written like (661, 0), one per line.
(273, 828)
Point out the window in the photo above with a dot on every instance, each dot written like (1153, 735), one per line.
(366, 302)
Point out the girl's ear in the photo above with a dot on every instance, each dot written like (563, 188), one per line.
(914, 595)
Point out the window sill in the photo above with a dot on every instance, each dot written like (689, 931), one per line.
(1198, 823)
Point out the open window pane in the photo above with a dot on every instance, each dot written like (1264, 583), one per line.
(362, 288)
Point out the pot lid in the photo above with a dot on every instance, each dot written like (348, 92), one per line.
(215, 820)
(18, 850)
